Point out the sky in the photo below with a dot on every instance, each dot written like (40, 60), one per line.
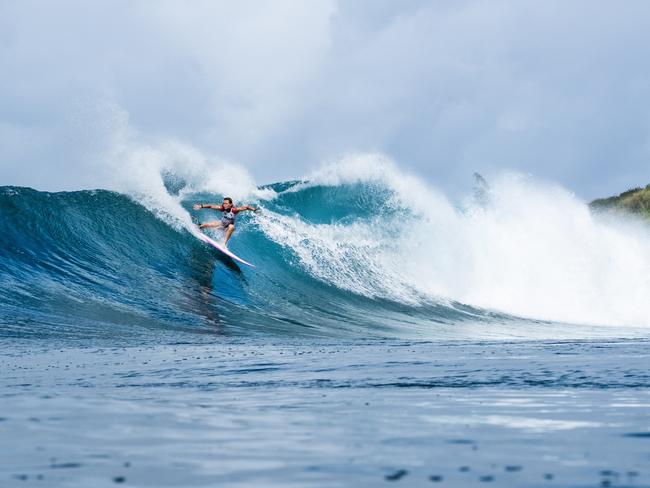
(555, 89)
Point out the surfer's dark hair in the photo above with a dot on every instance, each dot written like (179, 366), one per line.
(229, 199)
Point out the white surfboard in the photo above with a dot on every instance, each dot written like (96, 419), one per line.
(221, 248)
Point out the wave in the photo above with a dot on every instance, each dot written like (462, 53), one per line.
(359, 249)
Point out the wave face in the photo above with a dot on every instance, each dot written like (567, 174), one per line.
(98, 264)
(354, 252)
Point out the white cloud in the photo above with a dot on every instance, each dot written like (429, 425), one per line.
(446, 88)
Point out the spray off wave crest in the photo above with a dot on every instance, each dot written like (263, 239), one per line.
(521, 247)
(358, 248)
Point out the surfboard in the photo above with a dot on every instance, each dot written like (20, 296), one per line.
(221, 248)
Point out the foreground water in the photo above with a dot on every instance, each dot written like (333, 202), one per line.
(246, 413)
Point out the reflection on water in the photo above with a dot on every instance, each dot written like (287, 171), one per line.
(202, 301)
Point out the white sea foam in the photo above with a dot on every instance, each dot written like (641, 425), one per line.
(139, 168)
(532, 250)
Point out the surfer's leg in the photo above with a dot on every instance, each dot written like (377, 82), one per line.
(209, 224)
(229, 230)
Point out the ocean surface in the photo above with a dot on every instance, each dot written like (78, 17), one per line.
(385, 337)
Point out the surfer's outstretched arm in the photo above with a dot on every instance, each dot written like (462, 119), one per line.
(199, 206)
(246, 207)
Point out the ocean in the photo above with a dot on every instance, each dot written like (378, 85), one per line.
(385, 337)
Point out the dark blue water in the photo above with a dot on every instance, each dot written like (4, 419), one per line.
(133, 354)
(97, 265)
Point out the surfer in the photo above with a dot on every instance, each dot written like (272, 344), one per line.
(227, 222)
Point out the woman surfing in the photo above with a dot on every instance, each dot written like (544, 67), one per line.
(227, 222)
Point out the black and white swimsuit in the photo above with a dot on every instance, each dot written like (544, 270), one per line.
(228, 217)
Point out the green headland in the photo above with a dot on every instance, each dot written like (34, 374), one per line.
(635, 200)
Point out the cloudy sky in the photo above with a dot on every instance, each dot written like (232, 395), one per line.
(556, 89)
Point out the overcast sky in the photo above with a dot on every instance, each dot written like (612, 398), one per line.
(558, 89)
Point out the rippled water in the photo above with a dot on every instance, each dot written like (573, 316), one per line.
(327, 414)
